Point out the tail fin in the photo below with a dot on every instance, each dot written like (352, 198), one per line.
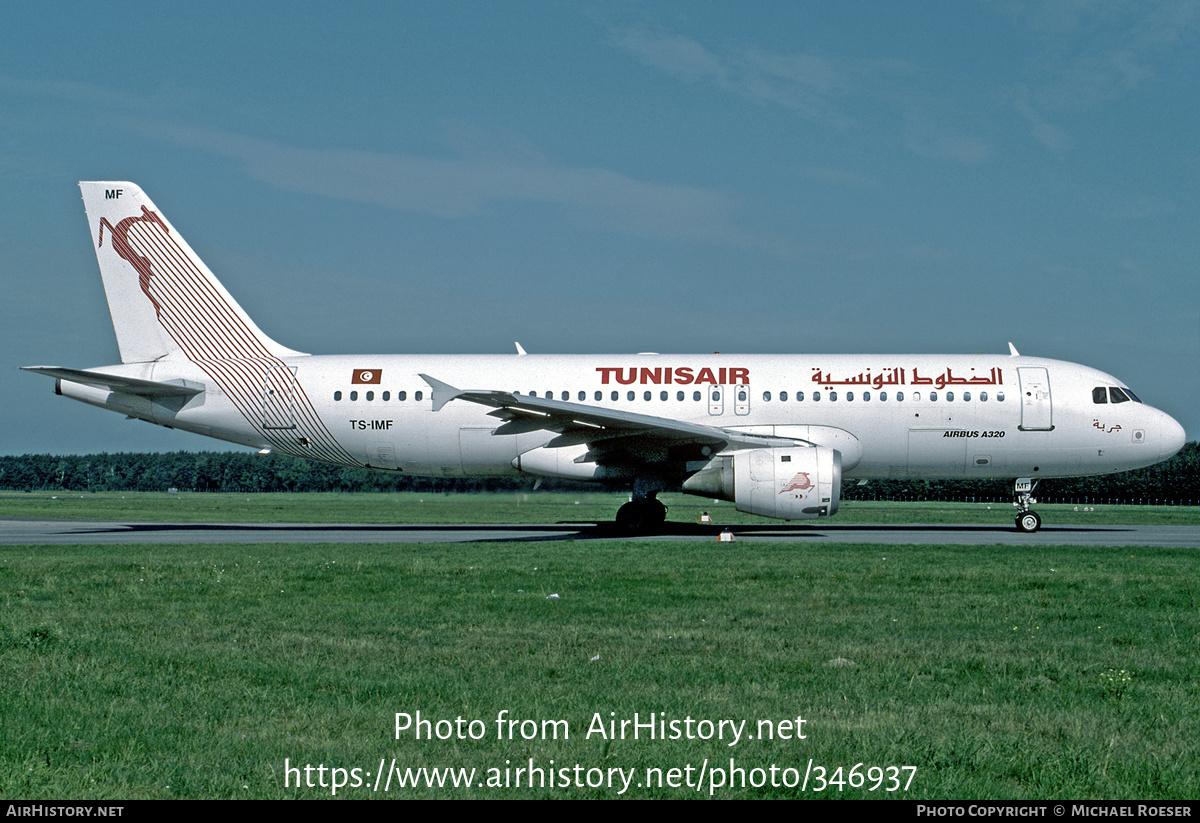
(162, 297)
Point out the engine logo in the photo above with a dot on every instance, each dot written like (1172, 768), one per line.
(799, 482)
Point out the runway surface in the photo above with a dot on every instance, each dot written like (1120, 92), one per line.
(21, 531)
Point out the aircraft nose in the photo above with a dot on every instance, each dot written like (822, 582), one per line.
(1171, 436)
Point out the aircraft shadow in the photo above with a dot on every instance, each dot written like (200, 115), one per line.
(565, 530)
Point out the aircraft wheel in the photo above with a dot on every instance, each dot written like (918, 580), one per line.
(1028, 522)
(641, 516)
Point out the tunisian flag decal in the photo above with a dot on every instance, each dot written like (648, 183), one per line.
(366, 376)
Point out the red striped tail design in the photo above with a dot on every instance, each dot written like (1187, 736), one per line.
(166, 303)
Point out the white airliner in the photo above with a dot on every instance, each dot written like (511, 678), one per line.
(776, 434)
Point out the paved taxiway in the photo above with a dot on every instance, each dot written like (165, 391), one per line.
(21, 531)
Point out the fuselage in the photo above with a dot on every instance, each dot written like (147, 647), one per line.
(890, 416)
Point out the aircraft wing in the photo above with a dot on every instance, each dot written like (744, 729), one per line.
(603, 429)
(117, 383)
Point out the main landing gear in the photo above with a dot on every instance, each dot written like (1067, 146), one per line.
(1027, 519)
(641, 514)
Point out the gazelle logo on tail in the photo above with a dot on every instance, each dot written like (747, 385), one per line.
(120, 244)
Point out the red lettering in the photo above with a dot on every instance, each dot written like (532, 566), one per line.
(666, 375)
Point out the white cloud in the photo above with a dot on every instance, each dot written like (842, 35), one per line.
(806, 83)
(466, 184)
(929, 141)
(824, 89)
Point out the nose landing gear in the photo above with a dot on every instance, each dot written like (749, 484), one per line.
(1027, 519)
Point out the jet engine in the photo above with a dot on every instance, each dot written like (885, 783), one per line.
(788, 483)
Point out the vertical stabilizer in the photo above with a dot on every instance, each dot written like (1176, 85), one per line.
(162, 297)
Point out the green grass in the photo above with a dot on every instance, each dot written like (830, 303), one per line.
(197, 670)
(527, 507)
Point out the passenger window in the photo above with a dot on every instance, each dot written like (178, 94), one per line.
(866, 395)
(966, 397)
(695, 395)
(646, 395)
(833, 395)
(949, 397)
(999, 397)
(983, 397)
(783, 396)
(662, 395)
(599, 396)
(401, 395)
(353, 395)
(616, 396)
(799, 396)
(899, 395)
(816, 396)
(882, 396)
(932, 396)
(766, 395)
(417, 395)
(337, 395)
(631, 395)
(387, 395)
(679, 396)
(566, 395)
(849, 396)
(370, 395)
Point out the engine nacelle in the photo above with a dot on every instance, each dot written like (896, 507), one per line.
(788, 483)
(565, 463)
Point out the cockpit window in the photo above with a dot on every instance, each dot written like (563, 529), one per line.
(1112, 394)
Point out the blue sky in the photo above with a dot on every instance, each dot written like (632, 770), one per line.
(615, 177)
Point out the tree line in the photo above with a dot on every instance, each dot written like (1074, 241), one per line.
(1173, 482)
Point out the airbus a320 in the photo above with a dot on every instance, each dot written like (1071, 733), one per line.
(778, 435)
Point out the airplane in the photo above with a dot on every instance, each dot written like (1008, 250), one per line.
(778, 435)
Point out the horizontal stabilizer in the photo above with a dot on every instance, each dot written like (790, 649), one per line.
(126, 385)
